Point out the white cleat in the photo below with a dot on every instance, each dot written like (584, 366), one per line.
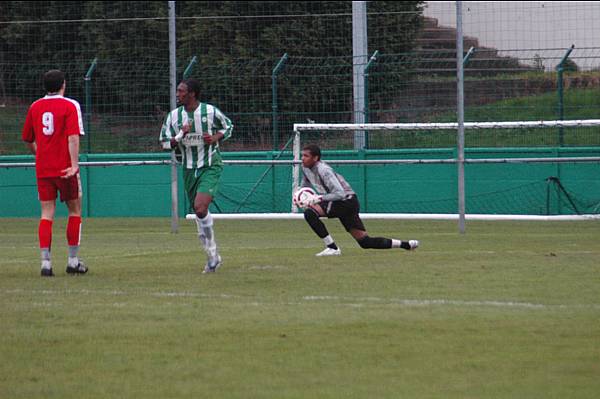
(414, 244)
(330, 252)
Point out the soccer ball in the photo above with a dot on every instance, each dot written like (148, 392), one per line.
(302, 196)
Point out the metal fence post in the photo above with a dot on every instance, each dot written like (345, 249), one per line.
(173, 104)
(460, 111)
(188, 69)
(366, 84)
(559, 84)
(88, 102)
(278, 68)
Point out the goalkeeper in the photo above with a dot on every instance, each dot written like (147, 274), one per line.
(338, 201)
(196, 129)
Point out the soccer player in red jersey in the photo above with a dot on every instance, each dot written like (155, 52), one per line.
(51, 131)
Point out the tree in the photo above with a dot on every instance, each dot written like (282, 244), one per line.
(237, 44)
(538, 63)
(569, 65)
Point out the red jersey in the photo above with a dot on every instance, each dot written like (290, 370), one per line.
(50, 121)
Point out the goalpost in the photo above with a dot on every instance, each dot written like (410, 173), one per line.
(450, 126)
(337, 131)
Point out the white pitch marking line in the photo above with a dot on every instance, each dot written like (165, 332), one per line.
(315, 298)
(266, 267)
(452, 302)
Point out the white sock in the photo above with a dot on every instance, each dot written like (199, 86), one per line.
(396, 243)
(201, 235)
(206, 234)
(328, 240)
(46, 263)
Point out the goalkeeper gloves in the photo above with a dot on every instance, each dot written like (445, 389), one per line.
(314, 200)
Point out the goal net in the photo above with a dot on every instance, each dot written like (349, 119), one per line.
(517, 182)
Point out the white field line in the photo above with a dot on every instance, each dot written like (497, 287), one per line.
(355, 301)
(434, 302)
(555, 252)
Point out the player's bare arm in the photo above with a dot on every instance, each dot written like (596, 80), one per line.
(74, 153)
(32, 147)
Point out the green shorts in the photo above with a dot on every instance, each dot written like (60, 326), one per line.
(204, 180)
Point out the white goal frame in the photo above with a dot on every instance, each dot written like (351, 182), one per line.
(460, 160)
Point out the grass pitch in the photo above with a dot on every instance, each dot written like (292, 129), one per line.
(511, 309)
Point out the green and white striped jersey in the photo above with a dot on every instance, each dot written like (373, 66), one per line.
(205, 119)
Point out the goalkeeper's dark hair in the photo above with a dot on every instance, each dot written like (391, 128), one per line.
(193, 85)
(53, 80)
(313, 149)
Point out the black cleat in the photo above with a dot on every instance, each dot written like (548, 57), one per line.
(212, 266)
(47, 272)
(79, 269)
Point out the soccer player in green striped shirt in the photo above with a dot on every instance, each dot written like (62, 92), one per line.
(196, 129)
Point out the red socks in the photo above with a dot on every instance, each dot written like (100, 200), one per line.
(45, 233)
(74, 230)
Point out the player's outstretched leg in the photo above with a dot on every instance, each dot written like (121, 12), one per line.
(386, 243)
(312, 218)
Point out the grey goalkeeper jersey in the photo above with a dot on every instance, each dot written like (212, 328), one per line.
(326, 181)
